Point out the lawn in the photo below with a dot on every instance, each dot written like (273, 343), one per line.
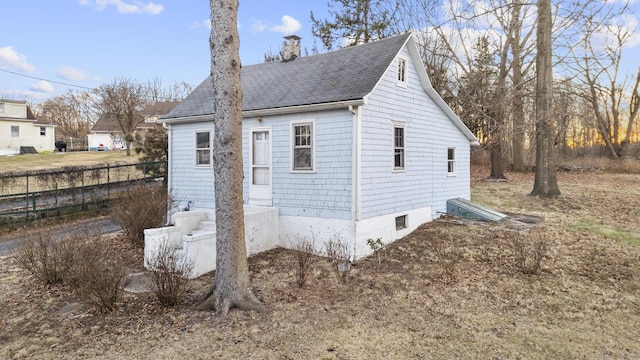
(449, 290)
(56, 160)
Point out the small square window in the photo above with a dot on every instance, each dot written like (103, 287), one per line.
(401, 222)
(451, 161)
(398, 147)
(15, 131)
(402, 72)
(303, 147)
(43, 131)
(203, 148)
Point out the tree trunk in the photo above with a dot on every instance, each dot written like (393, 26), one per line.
(517, 120)
(545, 183)
(496, 156)
(232, 287)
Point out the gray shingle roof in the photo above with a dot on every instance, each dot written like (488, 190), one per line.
(345, 74)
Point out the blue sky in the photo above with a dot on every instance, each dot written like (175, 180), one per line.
(90, 42)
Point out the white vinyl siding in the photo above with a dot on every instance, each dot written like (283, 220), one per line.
(428, 133)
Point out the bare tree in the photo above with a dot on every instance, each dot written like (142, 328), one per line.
(545, 183)
(613, 101)
(357, 21)
(122, 102)
(232, 287)
(67, 114)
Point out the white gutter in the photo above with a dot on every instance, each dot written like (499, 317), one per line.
(355, 174)
(168, 173)
(302, 108)
(272, 111)
(186, 119)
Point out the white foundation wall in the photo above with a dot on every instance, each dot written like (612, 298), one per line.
(384, 227)
(266, 229)
(296, 228)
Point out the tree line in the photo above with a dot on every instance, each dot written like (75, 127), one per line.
(481, 58)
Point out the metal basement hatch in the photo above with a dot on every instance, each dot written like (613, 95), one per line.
(466, 209)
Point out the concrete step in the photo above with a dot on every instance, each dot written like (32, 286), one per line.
(198, 234)
(207, 225)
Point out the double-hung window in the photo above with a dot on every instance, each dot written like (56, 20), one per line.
(451, 161)
(15, 131)
(398, 146)
(43, 131)
(303, 146)
(203, 148)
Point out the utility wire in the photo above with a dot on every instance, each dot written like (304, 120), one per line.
(51, 81)
(72, 85)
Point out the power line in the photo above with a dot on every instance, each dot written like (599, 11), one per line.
(43, 79)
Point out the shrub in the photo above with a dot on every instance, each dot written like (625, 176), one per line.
(529, 250)
(98, 274)
(47, 258)
(138, 208)
(169, 275)
(378, 248)
(338, 254)
(306, 255)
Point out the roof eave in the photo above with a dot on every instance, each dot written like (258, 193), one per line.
(271, 112)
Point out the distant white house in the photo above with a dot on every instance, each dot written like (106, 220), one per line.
(105, 134)
(21, 131)
(349, 145)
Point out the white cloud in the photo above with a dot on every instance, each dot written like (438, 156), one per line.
(42, 87)
(201, 24)
(258, 26)
(15, 60)
(72, 74)
(133, 7)
(289, 25)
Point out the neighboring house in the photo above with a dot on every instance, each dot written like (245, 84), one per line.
(19, 128)
(106, 134)
(349, 145)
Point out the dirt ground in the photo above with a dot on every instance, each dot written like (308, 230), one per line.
(446, 291)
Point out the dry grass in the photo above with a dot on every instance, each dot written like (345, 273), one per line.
(446, 291)
(57, 160)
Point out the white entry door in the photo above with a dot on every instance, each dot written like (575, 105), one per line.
(260, 181)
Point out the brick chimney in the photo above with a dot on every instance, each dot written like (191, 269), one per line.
(291, 48)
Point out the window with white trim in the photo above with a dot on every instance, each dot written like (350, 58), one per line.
(15, 131)
(302, 146)
(43, 131)
(398, 146)
(2, 105)
(451, 161)
(402, 72)
(203, 148)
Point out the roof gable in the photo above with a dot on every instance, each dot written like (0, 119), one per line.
(346, 74)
